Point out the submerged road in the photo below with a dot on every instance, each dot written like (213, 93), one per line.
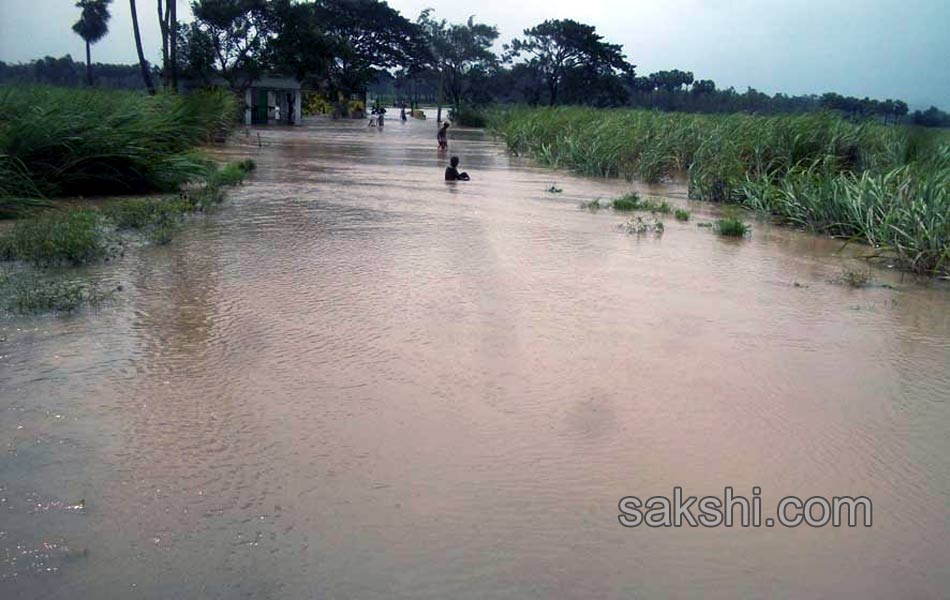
(358, 381)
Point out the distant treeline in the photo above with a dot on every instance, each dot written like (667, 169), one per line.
(349, 48)
(67, 72)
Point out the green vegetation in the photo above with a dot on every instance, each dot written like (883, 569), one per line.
(75, 237)
(632, 201)
(884, 185)
(69, 237)
(27, 294)
(593, 205)
(68, 142)
(468, 116)
(681, 214)
(731, 227)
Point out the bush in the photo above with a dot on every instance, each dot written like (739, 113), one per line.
(681, 214)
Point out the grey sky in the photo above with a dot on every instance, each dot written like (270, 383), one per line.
(877, 48)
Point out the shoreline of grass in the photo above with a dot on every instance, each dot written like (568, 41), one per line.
(887, 186)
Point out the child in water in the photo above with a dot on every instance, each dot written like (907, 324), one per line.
(443, 136)
(452, 172)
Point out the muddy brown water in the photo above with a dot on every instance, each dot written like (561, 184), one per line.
(358, 381)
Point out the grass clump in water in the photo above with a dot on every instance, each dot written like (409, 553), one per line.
(853, 278)
(887, 186)
(627, 202)
(76, 237)
(632, 201)
(71, 237)
(142, 213)
(27, 295)
(593, 205)
(732, 227)
(681, 214)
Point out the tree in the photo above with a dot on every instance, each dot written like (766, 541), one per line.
(234, 35)
(143, 64)
(671, 81)
(168, 25)
(703, 86)
(557, 46)
(92, 26)
(300, 47)
(368, 36)
(461, 54)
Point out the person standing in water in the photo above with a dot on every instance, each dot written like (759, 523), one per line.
(452, 171)
(443, 136)
(402, 114)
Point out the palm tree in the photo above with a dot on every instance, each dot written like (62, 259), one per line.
(138, 47)
(92, 26)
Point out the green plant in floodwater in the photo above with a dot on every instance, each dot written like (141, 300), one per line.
(732, 227)
(853, 278)
(681, 214)
(632, 201)
(593, 205)
(142, 213)
(23, 294)
(58, 237)
(887, 186)
(627, 202)
(162, 234)
(705, 224)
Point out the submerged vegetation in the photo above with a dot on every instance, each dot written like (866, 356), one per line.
(884, 185)
(632, 201)
(28, 294)
(73, 237)
(63, 143)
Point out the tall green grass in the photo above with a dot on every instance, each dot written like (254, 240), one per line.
(887, 186)
(72, 142)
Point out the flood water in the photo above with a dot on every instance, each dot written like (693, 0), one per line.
(358, 381)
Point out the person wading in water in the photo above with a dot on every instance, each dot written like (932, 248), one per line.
(443, 136)
(452, 171)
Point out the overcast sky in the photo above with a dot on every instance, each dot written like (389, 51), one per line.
(877, 48)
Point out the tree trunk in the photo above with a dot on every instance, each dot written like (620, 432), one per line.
(438, 118)
(173, 43)
(88, 65)
(163, 26)
(146, 76)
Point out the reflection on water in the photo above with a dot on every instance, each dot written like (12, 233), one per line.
(356, 380)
